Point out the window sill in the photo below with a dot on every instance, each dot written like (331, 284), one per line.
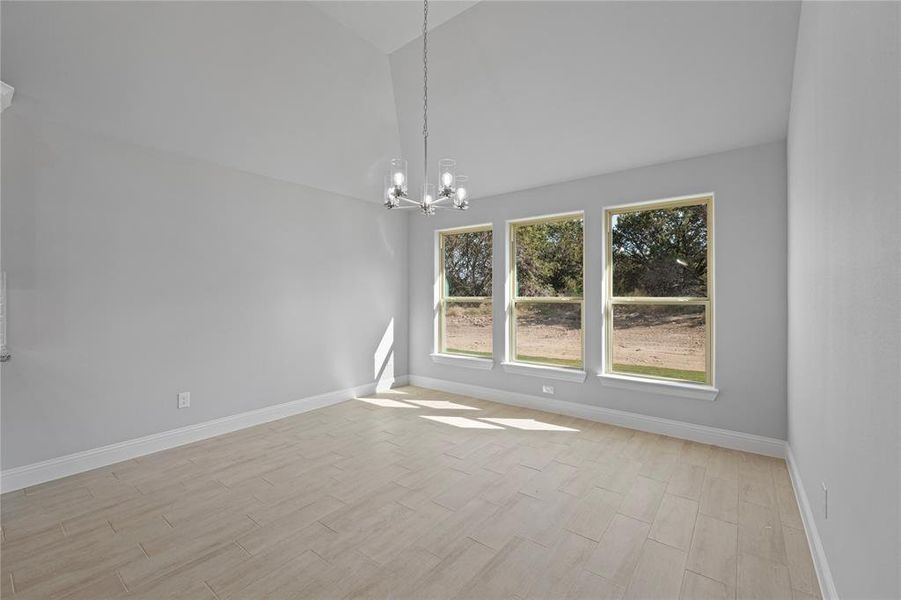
(545, 372)
(666, 388)
(457, 360)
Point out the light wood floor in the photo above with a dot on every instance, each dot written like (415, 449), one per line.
(415, 494)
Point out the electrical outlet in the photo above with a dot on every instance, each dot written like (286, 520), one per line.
(825, 500)
(184, 399)
(548, 389)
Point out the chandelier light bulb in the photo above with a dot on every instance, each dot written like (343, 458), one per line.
(461, 193)
(397, 172)
(447, 168)
(428, 194)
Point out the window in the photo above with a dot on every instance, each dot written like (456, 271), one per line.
(659, 312)
(547, 274)
(465, 302)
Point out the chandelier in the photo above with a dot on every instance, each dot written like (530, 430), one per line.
(451, 186)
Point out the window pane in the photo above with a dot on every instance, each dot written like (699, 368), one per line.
(549, 259)
(467, 328)
(660, 252)
(467, 264)
(660, 341)
(549, 333)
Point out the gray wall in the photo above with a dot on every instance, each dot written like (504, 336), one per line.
(750, 188)
(845, 287)
(134, 274)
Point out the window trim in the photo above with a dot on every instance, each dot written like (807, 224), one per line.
(511, 364)
(463, 360)
(458, 358)
(708, 302)
(665, 387)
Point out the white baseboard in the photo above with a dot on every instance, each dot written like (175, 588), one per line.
(824, 575)
(79, 462)
(689, 431)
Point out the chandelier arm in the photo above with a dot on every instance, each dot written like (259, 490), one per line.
(410, 201)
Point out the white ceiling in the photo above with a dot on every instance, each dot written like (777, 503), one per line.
(274, 88)
(530, 93)
(392, 24)
(523, 93)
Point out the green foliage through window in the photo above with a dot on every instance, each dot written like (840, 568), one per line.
(660, 252)
(549, 258)
(467, 264)
(466, 324)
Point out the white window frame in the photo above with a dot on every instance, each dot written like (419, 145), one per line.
(545, 370)
(677, 387)
(439, 355)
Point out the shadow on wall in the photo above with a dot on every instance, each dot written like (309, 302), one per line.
(387, 241)
(383, 359)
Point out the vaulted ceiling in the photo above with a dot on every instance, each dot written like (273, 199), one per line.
(530, 93)
(390, 25)
(323, 94)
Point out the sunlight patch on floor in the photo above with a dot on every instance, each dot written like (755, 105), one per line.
(387, 403)
(442, 405)
(529, 424)
(462, 422)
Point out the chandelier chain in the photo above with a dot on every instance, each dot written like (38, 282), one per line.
(425, 90)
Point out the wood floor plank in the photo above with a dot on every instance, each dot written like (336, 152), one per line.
(366, 499)
(658, 574)
(593, 514)
(499, 528)
(675, 522)
(762, 579)
(698, 587)
(788, 506)
(686, 480)
(659, 465)
(397, 578)
(693, 453)
(618, 551)
(643, 499)
(507, 573)
(719, 498)
(443, 535)
(590, 586)
(760, 532)
(714, 550)
(562, 568)
(800, 565)
(723, 464)
(455, 571)
(799, 595)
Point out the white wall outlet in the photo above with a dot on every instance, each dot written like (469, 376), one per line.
(825, 500)
(184, 399)
(548, 389)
